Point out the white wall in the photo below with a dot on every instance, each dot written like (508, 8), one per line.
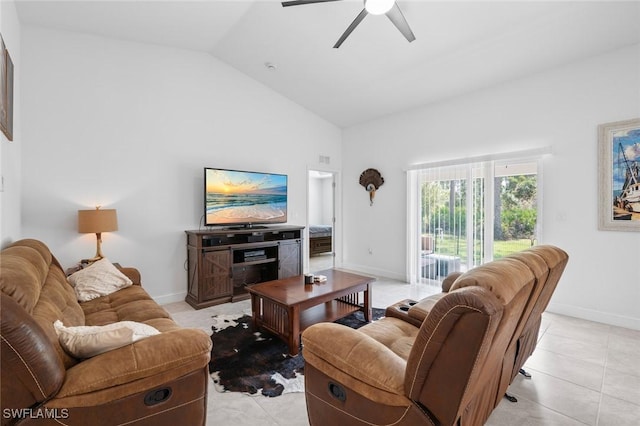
(320, 201)
(560, 108)
(130, 126)
(10, 152)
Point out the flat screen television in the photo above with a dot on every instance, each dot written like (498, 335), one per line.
(239, 198)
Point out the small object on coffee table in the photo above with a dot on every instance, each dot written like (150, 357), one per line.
(319, 278)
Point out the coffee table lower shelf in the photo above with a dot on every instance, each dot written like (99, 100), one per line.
(326, 312)
(281, 320)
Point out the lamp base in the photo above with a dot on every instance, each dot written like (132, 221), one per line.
(90, 261)
(99, 254)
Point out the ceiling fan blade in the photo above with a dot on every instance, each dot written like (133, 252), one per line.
(351, 27)
(301, 2)
(395, 15)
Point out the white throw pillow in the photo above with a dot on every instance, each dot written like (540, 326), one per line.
(98, 279)
(87, 341)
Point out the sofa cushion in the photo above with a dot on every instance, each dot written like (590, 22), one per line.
(395, 334)
(89, 341)
(361, 361)
(129, 304)
(98, 279)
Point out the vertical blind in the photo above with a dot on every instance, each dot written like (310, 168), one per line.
(458, 208)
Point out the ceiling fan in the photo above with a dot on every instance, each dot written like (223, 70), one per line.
(374, 7)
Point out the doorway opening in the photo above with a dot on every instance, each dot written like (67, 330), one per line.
(321, 220)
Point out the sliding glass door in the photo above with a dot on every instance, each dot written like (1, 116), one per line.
(468, 214)
(515, 219)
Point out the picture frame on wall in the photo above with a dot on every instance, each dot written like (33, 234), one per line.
(6, 91)
(619, 176)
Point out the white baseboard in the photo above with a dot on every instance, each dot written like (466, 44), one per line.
(383, 273)
(593, 315)
(170, 298)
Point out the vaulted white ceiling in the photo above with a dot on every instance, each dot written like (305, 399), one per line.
(460, 46)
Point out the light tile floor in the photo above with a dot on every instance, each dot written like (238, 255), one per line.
(584, 373)
(320, 262)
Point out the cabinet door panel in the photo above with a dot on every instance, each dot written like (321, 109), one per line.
(289, 258)
(215, 274)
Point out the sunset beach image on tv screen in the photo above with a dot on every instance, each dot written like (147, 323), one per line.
(237, 197)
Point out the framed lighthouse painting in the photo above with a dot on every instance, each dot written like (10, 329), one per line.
(619, 176)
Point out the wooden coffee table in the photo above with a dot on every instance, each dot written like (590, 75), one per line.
(287, 307)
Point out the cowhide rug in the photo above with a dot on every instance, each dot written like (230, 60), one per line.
(257, 362)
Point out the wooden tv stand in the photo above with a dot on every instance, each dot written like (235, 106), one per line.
(223, 262)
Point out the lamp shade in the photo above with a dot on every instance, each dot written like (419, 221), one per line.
(97, 221)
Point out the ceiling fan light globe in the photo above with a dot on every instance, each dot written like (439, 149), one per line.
(378, 7)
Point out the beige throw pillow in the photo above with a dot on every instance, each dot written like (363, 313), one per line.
(88, 341)
(98, 279)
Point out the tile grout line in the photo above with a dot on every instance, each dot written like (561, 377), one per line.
(567, 381)
(560, 413)
(604, 377)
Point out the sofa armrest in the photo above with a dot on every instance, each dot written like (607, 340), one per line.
(132, 273)
(449, 280)
(420, 310)
(182, 351)
(361, 358)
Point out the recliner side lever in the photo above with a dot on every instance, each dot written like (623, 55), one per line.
(337, 392)
(157, 396)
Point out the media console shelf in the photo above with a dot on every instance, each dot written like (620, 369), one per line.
(223, 262)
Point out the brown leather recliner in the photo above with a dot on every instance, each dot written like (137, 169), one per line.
(445, 371)
(160, 380)
(547, 263)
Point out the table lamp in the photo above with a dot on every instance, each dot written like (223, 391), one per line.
(97, 221)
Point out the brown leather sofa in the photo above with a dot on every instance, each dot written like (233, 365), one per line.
(160, 380)
(445, 360)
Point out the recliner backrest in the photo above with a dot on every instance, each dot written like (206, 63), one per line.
(555, 260)
(452, 345)
(511, 283)
(540, 270)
